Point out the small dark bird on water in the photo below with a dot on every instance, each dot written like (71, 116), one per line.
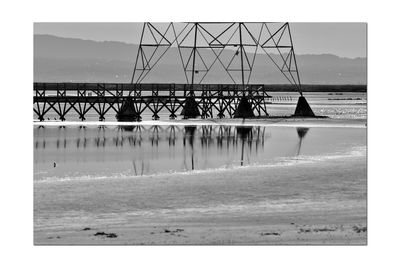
(54, 164)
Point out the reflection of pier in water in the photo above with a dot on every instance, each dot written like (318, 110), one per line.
(209, 135)
(194, 142)
(156, 148)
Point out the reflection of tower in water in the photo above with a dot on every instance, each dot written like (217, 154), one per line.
(221, 141)
(244, 133)
(301, 132)
(189, 135)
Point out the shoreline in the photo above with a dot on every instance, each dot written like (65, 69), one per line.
(270, 122)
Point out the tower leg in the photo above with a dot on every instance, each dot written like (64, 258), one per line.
(303, 109)
(128, 111)
(244, 109)
(190, 109)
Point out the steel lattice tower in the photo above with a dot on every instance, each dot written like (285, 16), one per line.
(234, 46)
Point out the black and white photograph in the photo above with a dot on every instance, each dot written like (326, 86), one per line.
(200, 133)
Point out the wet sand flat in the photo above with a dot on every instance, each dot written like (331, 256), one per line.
(339, 227)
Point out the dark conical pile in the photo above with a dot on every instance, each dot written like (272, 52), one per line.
(128, 111)
(244, 109)
(303, 109)
(190, 109)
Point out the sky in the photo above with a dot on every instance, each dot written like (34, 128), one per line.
(341, 39)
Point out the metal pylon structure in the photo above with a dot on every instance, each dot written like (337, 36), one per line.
(233, 47)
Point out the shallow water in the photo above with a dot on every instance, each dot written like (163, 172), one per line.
(85, 152)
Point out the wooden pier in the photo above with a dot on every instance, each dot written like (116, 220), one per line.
(213, 100)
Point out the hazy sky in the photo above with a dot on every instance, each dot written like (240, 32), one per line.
(342, 39)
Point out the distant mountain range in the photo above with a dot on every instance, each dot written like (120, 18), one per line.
(58, 59)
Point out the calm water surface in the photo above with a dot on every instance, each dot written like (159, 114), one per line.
(84, 152)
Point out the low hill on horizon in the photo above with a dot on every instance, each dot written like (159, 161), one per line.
(59, 59)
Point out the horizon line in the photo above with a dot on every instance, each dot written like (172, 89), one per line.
(126, 43)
